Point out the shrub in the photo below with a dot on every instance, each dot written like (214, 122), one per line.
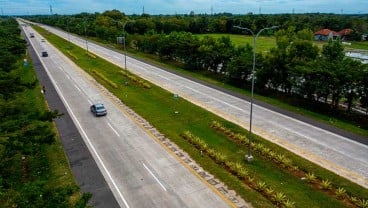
(340, 192)
(279, 198)
(72, 55)
(362, 203)
(326, 184)
(91, 55)
(261, 186)
(101, 76)
(219, 157)
(289, 204)
(269, 191)
(211, 152)
(242, 173)
(310, 177)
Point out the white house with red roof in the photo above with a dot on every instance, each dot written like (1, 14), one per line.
(325, 34)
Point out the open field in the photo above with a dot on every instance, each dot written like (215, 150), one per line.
(158, 106)
(264, 43)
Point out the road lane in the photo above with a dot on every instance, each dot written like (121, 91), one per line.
(336, 153)
(121, 148)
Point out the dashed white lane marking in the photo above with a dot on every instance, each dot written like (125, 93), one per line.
(76, 86)
(108, 123)
(158, 181)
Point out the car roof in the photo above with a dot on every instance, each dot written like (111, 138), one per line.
(99, 105)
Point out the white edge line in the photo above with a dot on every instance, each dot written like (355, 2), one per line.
(150, 172)
(85, 135)
(108, 123)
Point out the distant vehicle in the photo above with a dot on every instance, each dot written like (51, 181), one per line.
(42, 40)
(98, 109)
(44, 54)
(31, 35)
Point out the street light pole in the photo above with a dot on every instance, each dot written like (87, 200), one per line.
(124, 48)
(125, 66)
(67, 26)
(85, 36)
(249, 157)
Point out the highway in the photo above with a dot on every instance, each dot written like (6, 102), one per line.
(139, 171)
(341, 155)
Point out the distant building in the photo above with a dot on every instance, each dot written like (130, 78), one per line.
(344, 34)
(365, 37)
(325, 35)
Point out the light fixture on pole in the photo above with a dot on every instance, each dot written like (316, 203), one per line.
(249, 157)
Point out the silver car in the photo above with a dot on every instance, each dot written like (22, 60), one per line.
(98, 109)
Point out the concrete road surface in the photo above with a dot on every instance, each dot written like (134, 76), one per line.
(341, 155)
(138, 170)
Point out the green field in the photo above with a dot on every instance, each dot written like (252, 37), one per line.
(158, 106)
(264, 43)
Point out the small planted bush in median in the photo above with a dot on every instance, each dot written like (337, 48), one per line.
(237, 169)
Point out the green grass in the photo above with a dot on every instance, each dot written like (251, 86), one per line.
(158, 107)
(61, 175)
(264, 43)
(363, 45)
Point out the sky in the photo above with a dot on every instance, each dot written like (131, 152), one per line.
(32, 7)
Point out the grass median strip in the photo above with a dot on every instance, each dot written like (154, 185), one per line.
(172, 115)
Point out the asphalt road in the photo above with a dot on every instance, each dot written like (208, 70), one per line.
(139, 172)
(84, 167)
(332, 150)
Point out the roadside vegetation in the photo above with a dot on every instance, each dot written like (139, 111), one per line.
(34, 171)
(277, 178)
(307, 77)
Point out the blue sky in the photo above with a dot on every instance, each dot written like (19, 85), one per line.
(21, 7)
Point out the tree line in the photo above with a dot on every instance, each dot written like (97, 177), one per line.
(26, 133)
(295, 68)
(106, 25)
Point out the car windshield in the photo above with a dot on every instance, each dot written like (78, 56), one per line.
(100, 107)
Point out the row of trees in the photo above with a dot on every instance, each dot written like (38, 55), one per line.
(105, 26)
(25, 133)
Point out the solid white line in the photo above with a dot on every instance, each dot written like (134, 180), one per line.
(108, 123)
(84, 134)
(162, 186)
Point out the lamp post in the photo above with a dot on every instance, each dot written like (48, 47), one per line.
(249, 157)
(124, 48)
(85, 35)
(125, 67)
(67, 26)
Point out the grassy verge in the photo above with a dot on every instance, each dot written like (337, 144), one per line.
(158, 107)
(60, 172)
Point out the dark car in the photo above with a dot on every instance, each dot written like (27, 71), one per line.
(44, 54)
(98, 109)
